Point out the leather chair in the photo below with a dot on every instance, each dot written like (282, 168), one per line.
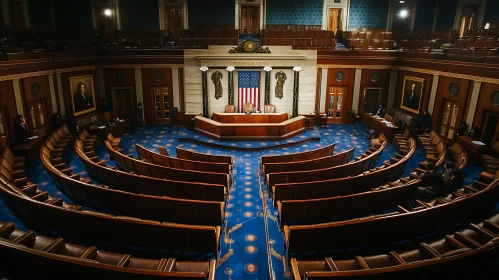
(230, 109)
(249, 107)
(269, 108)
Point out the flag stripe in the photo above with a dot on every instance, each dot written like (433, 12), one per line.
(248, 89)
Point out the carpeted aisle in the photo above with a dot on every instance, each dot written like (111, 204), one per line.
(244, 249)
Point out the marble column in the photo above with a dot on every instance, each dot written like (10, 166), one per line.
(231, 84)
(204, 69)
(296, 86)
(267, 84)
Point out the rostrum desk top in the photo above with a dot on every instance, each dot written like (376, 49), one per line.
(249, 118)
(250, 131)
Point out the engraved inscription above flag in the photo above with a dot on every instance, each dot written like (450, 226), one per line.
(248, 89)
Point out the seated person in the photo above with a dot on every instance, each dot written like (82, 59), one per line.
(249, 108)
(452, 170)
(474, 132)
(381, 111)
(431, 181)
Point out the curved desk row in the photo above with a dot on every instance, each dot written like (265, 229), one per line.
(249, 131)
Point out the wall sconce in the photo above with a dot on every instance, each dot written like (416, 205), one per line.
(267, 68)
(403, 13)
(108, 12)
(230, 68)
(203, 68)
(297, 68)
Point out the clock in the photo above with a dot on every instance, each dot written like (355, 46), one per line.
(119, 76)
(158, 76)
(35, 88)
(453, 89)
(374, 77)
(340, 76)
(249, 46)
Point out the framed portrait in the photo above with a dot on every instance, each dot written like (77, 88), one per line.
(412, 94)
(83, 94)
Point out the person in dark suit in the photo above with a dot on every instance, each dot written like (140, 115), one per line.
(56, 121)
(20, 129)
(432, 180)
(381, 111)
(81, 100)
(412, 98)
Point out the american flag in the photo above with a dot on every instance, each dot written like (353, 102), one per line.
(248, 89)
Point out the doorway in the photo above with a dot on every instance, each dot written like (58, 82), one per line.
(334, 20)
(334, 104)
(468, 20)
(173, 21)
(249, 19)
(371, 100)
(448, 121)
(4, 137)
(161, 104)
(122, 101)
(490, 128)
(37, 118)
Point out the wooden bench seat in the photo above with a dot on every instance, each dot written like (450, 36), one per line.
(352, 168)
(168, 161)
(314, 154)
(131, 164)
(27, 254)
(99, 226)
(344, 234)
(131, 182)
(145, 206)
(452, 256)
(191, 155)
(311, 164)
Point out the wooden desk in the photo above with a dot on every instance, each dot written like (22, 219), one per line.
(118, 128)
(474, 151)
(251, 118)
(29, 147)
(310, 121)
(379, 126)
(249, 131)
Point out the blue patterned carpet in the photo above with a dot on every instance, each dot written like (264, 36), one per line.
(244, 250)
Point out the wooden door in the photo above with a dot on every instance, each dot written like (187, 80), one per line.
(162, 104)
(122, 101)
(490, 131)
(17, 19)
(335, 103)
(37, 118)
(4, 136)
(249, 19)
(173, 21)
(334, 20)
(448, 121)
(371, 100)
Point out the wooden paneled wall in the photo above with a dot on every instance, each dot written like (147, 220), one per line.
(68, 92)
(425, 92)
(383, 82)
(348, 82)
(8, 102)
(485, 104)
(443, 94)
(29, 97)
(119, 77)
(148, 81)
